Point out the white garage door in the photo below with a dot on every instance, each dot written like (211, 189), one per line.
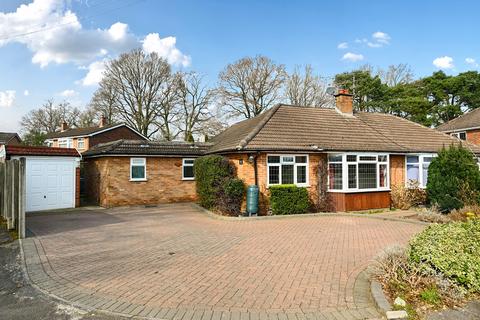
(50, 183)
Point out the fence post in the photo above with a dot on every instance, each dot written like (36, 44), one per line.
(15, 194)
(22, 198)
(9, 194)
(2, 190)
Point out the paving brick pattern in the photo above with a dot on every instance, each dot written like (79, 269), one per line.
(175, 262)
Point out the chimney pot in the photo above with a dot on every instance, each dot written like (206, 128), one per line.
(344, 102)
(103, 122)
(64, 126)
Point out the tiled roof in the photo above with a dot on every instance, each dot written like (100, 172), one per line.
(468, 120)
(305, 128)
(6, 136)
(40, 151)
(154, 148)
(76, 132)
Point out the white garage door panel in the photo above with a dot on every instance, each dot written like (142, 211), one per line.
(50, 183)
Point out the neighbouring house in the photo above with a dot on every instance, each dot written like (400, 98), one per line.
(466, 127)
(52, 176)
(83, 139)
(129, 172)
(353, 157)
(9, 138)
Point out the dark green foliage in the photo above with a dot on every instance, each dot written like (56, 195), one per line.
(34, 138)
(453, 178)
(231, 196)
(217, 187)
(289, 199)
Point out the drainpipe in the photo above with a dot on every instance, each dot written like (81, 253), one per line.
(252, 158)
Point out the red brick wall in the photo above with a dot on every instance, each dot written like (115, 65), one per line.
(473, 136)
(109, 185)
(77, 187)
(114, 134)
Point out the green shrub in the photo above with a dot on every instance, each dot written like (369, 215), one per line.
(452, 249)
(453, 179)
(231, 196)
(210, 175)
(289, 199)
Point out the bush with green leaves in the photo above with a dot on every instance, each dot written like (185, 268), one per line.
(289, 199)
(453, 179)
(452, 249)
(217, 187)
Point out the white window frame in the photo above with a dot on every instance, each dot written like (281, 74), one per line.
(457, 135)
(345, 188)
(78, 143)
(66, 141)
(421, 162)
(295, 165)
(187, 165)
(136, 164)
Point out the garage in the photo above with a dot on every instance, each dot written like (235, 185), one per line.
(51, 176)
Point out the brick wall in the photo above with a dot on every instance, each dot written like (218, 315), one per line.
(473, 136)
(114, 134)
(108, 182)
(77, 187)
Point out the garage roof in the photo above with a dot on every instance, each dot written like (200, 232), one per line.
(40, 151)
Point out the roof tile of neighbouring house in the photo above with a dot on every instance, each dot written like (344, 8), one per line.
(468, 120)
(40, 151)
(305, 128)
(153, 148)
(76, 132)
(6, 136)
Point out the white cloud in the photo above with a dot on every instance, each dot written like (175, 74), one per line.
(343, 45)
(26, 93)
(472, 62)
(94, 74)
(444, 62)
(165, 48)
(374, 44)
(381, 37)
(353, 57)
(68, 93)
(7, 98)
(63, 39)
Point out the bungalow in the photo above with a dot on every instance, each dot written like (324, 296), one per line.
(356, 156)
(466, 127)
(83, 139)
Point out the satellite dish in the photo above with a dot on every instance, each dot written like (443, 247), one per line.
(331, 90)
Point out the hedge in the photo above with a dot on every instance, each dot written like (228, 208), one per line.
(452, 249)
(289, 199)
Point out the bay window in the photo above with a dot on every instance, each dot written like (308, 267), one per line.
(287, 169)
(358, 172)
(417, 169)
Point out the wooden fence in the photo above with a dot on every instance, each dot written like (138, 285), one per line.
(12, 195)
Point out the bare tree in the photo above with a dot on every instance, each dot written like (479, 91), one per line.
(195, 99)
(168, 111)
(250, 86)
(397, 74)
(88, 118)
(49, 117)
(139, 81)
(306, 89)
(104, 102)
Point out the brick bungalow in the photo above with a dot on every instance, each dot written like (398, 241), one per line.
(466, 127)
(363, 155)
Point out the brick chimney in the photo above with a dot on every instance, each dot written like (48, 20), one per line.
(344, 102)
(103, 122)
(64, 126)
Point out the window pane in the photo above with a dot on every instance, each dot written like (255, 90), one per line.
(412, 159)
(367, 175)
(412, 172)
(382, 158)
(368, 158)
(335, 176)
(352, 176)
(425, 173)
(335, 157)
(287, 174)
(188, 172)
(427, 159)
(138, 161)
(188, 161)
(351, 158)
(383, 175)
(274, 159)
(301, 159)
(288, 159)
(138, 172)
(301, 174)
(273, 175)
(462, 136)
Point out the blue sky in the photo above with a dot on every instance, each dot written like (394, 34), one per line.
(63, 57)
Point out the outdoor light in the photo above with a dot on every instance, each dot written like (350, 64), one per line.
(251, 158)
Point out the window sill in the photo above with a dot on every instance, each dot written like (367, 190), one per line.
(298, 185)
(360, 190)
(188, 179)
(138, 180)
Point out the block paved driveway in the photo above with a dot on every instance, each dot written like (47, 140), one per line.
(177, 262)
